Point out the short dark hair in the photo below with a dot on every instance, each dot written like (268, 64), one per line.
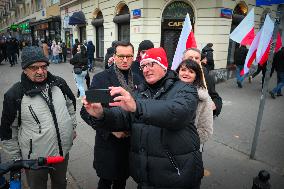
(210, 44)
(124, 44)
(191, 64)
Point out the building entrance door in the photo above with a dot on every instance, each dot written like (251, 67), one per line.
(172, 22)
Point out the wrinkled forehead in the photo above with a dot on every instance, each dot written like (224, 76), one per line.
(192, 53)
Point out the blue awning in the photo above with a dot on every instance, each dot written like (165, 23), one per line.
(77, 18)
(268, 2)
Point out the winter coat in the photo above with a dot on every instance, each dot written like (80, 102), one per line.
(79, 61)
(278, 61)
(45, 49)
(110, 153)
(209, 55)
(164, 149)
(90, 50)
(110, 52)
(210, 82)
(240, 56)
(204, 115)
(136, 68)
(33, 126)
(55, 50)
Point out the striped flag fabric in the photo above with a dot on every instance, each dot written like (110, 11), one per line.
(251, 54)
(265, 41)
(244, 32)
(186, 40)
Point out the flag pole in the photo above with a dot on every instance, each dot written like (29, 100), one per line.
(265, 86)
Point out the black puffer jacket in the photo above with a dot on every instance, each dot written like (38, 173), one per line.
(240, 56)
(164, 142)
(79, 61)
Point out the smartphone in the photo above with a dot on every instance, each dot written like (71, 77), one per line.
(99, 95)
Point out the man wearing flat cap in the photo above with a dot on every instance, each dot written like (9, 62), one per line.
(38, 119)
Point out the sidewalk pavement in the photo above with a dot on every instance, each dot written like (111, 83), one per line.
(226, 154)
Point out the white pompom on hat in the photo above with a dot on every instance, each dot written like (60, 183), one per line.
(157, 55)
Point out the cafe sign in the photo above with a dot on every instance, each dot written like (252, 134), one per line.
(173, 24)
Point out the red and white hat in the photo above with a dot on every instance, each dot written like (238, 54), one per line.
(157, 55)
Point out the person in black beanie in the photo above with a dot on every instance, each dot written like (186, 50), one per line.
(39, 119)
(143, 46)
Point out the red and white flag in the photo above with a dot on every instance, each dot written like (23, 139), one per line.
(251, 53)
(186, 40)
(244, 32)
(265, 41)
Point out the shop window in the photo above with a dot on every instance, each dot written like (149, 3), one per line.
(98, 24)
(122, 19)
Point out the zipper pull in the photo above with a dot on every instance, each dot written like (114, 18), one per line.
(178, 171)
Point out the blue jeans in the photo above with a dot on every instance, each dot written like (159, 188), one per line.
(80, 78)
(55, 59)
(238, 74)
(280, 83)
(90, 63)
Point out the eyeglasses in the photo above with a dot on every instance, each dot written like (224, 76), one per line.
(149, 65)
(121, 56)
(35, 68)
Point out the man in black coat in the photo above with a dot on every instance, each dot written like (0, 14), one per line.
(164, 149)
(278, 65)
(112, 148)
(195, 54)
(239, 61)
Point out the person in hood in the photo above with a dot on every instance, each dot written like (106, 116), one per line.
(209, 56)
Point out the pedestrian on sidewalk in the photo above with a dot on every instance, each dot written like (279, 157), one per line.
(39, 119)
(190, 72)
(239, 61)
(80, 63)
(112, 148)
(90, 52)
(164, 150)
(195, 54)
(278, 65)
(64, 51)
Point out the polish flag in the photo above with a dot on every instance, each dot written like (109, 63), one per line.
(186, 40)
(244, 32)
(265, 41)
(251, 54)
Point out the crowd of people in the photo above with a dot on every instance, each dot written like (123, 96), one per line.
(154, 130)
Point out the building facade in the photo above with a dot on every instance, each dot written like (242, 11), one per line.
(103, 21)
(32, 20)
(159, 21)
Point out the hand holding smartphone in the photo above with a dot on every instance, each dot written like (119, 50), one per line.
(99, 96)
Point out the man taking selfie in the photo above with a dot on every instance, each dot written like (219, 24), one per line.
(113, 170)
